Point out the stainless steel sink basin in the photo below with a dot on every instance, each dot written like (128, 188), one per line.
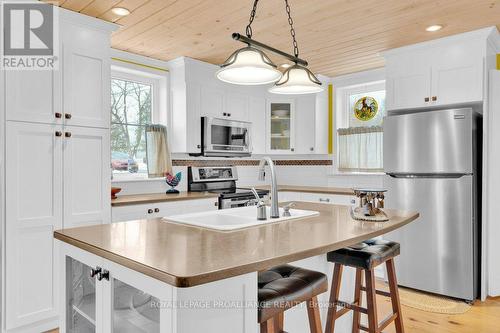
(235, 218)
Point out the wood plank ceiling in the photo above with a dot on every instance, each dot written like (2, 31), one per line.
(335, 36)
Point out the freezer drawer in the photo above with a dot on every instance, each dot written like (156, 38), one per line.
(430, 142)
(438, 249)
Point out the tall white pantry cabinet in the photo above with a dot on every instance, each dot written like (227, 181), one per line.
(55, 168)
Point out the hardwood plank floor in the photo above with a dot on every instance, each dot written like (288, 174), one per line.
(484, 317)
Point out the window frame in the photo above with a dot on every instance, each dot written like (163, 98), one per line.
(342, 105)
(146, 78)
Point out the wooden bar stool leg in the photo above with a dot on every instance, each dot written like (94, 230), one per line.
(279, 322)
(371, 301)
(313, 314)
(393, 287)
(356, 317)
(334, 296)
(268, 326)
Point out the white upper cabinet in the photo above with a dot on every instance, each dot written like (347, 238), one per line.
(442, 72)
(86, 176)
(86, 67)
(258, 120)
(32, 96)
(408, 82)
(222, 103)
(280, 126)
(236, 106)
(212, 102)
(457, 75)
(86, 71)
(305, 119)
(196, 92)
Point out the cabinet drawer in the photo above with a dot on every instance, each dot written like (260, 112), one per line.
(333, 199)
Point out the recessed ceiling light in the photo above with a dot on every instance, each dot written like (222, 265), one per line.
(433, 28)
(284, 66)
(120, 11)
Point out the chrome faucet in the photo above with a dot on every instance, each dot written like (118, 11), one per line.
(275, 213)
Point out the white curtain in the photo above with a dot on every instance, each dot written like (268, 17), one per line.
(157, 151)
(360, 149)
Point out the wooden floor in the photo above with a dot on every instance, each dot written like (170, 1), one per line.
(482, 318)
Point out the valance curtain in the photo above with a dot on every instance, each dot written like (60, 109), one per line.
(360, 149)
(157, 151)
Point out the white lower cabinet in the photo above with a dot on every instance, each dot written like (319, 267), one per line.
(33, 211)
(101, 296)
(162, 209)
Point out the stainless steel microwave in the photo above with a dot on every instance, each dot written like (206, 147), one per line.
(225, 138)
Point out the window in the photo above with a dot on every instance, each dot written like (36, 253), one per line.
(359, 131)
(132, 101)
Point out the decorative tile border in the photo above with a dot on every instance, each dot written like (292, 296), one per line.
(239, 162)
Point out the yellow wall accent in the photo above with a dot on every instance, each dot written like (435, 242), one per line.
(330, 119)
(498, 61)
(139, 64)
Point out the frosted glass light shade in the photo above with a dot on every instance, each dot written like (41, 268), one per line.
(248, 66)
(297, 80)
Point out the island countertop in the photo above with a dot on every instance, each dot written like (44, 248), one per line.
(186, 256)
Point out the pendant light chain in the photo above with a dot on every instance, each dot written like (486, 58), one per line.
(292, 30)
(252, 17)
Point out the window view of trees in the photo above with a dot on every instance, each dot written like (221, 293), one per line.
(131, 108)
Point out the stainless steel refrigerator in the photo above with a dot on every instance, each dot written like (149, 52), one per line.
(431, 159)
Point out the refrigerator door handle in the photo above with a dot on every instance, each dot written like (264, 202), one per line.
(429, 175)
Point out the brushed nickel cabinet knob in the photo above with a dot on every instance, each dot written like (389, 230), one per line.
(67, 115)
(58, 133)
(67, 134)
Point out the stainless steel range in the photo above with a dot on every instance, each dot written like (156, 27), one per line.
(222, 180)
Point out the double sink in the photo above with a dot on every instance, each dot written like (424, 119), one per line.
(236, 218)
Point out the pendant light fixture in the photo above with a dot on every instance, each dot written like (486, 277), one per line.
(251, 66)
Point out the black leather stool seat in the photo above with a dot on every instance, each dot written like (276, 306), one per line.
(285, 286)
(366, 255)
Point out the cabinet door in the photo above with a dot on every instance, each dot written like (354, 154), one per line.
(33, 212)
(457, 76)
(80, 295)
(281, 126)
(408, 82)
(194, 206)
(212, 102)
(132, 302)
(236, 106)
(305, 127)
(257, 116)
(86, 86)
(32, 96)
(87, 176)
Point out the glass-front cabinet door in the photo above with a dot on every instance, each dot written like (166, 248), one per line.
(281, 126)
(134, 311)
(102, 297)
(80, 297)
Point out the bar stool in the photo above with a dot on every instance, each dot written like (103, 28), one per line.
(281, 288)
(365, 257)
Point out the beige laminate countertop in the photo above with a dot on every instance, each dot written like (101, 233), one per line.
(137, 199)
(185, 256)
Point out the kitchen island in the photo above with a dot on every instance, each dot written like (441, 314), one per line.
(196, 278)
